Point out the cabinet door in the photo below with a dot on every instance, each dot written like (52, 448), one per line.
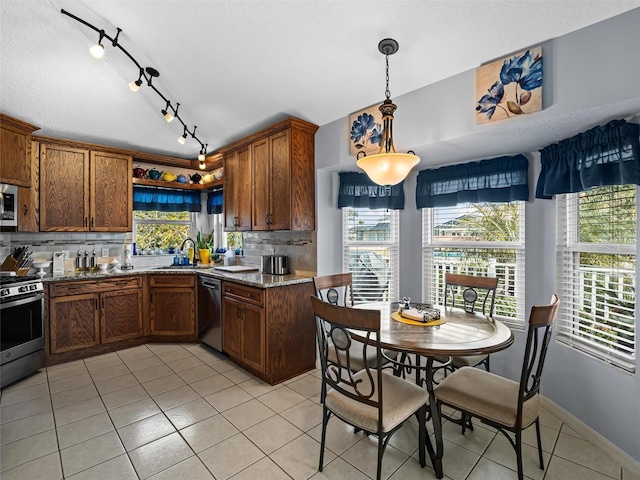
(280, 189)
(172, 311)
(260, 180)
(74, 322)
(28, 198)
(121, 315)
(111, 192)
(15, 151)
(64, 189)
(253, 336)
(232, 327)
(237, 198)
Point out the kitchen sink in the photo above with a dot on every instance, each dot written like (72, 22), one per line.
(182, 267)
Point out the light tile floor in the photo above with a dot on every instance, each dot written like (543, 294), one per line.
(167, 411)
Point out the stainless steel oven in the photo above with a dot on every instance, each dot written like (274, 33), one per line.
(21, 327)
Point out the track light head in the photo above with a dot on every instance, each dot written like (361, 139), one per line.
(168, 116)
(183, 138)
(135, 86)
(97, 50)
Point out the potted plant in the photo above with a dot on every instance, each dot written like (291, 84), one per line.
(203, 244)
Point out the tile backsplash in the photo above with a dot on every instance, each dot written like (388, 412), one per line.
(300, 247)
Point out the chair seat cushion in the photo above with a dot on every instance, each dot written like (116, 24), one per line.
(486, 395)
(400, 400)
(356, 358)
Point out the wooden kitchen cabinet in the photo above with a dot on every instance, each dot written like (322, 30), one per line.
(89, 313)
(28, 198)
(15, 151)
(84, 191)
(281, 189)
(270, 331)
(237, 190)
(244, 325)
(172, 305)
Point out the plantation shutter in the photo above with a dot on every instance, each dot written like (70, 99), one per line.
(596, 272)
(370, 252)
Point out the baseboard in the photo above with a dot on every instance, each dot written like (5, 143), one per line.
(589, 434)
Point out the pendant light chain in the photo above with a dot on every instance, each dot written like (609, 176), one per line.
(387, 92)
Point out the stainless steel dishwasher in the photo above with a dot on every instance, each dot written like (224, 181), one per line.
(210, 312)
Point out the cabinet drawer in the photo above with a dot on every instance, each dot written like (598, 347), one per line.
(248, 294)
(172, 280)
(93, 286)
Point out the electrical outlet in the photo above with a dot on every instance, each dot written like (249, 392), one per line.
(105, 252)
(65, 254)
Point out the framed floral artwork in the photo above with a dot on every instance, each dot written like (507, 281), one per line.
(365, 131)
(509, 87)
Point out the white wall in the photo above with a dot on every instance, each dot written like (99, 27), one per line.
(595, 66)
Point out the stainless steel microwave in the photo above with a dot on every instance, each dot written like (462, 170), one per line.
(8, 205)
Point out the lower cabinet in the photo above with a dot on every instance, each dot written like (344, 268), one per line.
(172, 305)
(89, 313)
(270, 331)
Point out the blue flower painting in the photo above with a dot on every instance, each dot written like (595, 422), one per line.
(509, 87)
(365, 134)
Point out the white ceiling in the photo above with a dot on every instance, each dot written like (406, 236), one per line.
(236, 66)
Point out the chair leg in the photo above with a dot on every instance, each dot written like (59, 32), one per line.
(380, 452)
(325, 420)
(519, 454)
(539, 443)
(422, 435)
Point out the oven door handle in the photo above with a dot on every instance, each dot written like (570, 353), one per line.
(22, 301)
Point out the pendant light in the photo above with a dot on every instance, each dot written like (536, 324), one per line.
(387, 167)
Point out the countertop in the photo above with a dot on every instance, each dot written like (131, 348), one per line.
(254, 279)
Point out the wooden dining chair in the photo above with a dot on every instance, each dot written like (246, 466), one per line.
(470, 289)
(504, 404)
(368, 399)
(338, 290)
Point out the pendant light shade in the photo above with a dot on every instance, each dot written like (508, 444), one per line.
(387, 167)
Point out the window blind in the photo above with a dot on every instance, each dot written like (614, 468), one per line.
(484, 239)
(370, 252)
(596, 272)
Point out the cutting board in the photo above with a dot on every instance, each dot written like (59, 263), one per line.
(237, 269)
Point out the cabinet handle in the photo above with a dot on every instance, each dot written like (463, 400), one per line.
(92, 222)
(85, 221)
(266, 219)
(25, 209)
(103, 302)
(152, 298)
(96, 303)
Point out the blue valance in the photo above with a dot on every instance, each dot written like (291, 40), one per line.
(214, 202)
(605, 155)
(502, 179)
(357, 190)
(166, 199)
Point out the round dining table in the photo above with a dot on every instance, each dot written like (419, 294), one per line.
(462, 333)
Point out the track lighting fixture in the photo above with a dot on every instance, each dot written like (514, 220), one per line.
(145, 74)
(97, 50)
(183, 138)
(135, 86)
(168, 116)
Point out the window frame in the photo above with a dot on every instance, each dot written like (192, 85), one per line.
(568, 250)
(430, 245)
(393, 244)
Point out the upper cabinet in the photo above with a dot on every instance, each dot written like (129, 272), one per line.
(237, 192)
(15, 151)
(281, 193)
(84, 191)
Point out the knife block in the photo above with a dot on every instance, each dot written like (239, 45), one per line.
(10, 264)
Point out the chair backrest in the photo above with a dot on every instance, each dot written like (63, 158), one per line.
(469, 294)
(332, 322)
(538, 336)
(335, 289)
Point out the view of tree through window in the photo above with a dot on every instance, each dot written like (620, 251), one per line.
(483, 239)
(161, 229)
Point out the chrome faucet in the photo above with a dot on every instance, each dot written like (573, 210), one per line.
(195, 250)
